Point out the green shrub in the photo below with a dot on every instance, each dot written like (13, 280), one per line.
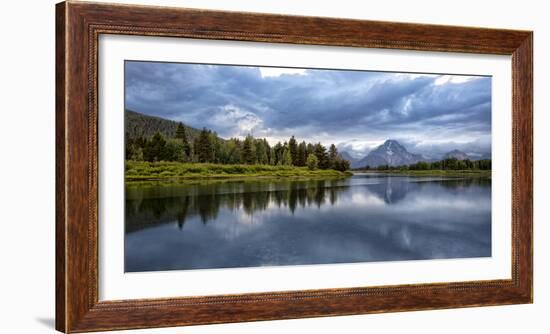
(312, 162)
(131, 172)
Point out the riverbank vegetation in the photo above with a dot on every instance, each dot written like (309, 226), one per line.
(208, 156)
(450, 164)
(163, 171)
(445, 167)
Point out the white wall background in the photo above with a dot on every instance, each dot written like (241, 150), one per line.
(27, 70)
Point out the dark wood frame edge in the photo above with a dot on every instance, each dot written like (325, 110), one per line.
(78, 27)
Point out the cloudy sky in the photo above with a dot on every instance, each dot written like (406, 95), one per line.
(356, 110)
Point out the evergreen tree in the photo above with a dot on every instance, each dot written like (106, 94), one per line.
(173, 151)
(207, 147)
(310, 149)
(261, 153)
(293, 148)
(180, 131)
(203, 147)
(140, 142)
(272, 157)
(216, 147)
(128, 147)
(321, 153)
(155, 149)
(484, 164)
(332, 156)
(182, 134)
(248, 153)
(277, 153)
(287, 158)
(344, 165)
(195, 150)
(341, 164)
(267, 149)
(302, 154)
(233, 148)
(134, 147)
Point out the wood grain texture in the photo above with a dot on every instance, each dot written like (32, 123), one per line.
(78, 27)
(60, 180)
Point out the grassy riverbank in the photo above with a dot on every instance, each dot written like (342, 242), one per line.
(433, 172)
(177, 171)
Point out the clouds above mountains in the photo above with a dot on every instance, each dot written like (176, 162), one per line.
(356, 110)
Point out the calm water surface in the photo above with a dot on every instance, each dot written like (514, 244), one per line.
(269, 223)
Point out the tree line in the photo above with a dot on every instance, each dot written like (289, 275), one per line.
(445, 164)
(208, 205)
(207, 147)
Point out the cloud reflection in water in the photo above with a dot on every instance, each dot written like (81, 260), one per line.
(359, 219)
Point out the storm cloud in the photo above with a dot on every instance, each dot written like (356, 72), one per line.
(357, 110)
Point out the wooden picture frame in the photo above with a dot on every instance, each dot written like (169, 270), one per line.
(78, 26)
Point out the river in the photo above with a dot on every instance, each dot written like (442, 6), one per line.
(366, 217)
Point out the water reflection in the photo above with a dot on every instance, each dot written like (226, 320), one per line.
(363, 218)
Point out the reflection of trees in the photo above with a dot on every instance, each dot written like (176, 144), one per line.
(252, 201)
(182, 213)
(144, 212)
(463, 183)
(293, 198)
(144, 209)
(207, 207)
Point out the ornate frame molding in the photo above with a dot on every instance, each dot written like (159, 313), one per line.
(78, 27)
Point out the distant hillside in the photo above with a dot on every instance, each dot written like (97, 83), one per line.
(137, 124)
(473, 156)
(457, 154)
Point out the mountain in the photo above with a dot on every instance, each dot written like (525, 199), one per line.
(457, 154)
(346, 156)
(137, 124)
(479, 156)
(486, 155)
(460, 155)
(390, 153)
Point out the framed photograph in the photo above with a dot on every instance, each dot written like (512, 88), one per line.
(224, 166)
